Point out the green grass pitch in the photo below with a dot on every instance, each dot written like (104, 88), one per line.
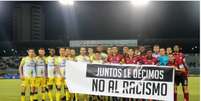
(10, 90)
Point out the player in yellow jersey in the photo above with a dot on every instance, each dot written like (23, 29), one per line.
(97, 59)
(90, 53)
(68, 95)
(67, 52)
(71, 55)
(51, 63)
(41, 72)
(60, 73)
(27, 74)
(82, 58)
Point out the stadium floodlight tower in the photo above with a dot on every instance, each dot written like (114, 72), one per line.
(140, 3)
(66, 2)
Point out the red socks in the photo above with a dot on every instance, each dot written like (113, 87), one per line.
(186, 96)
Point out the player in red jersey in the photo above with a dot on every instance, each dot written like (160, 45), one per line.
(182, 72)
(169, 50)
(138, 55)
(149, 59)
(125, 51)
(142, 50)
(131, 58)
(115, 58)
(172, 63)
(109, 51)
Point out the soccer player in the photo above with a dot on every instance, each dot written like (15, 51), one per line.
(41, 74)
(156, 49)
(73, 53)
(109, 51)
(100, 49)
(171, 61)
(60, 73)
(183, 72)
(125, 51)
(149, 59)
(169, 50)
(173, 64)
(142, 50)
(131, 58)
(97, 58)
(91, 53)
(163, 58)
(27, 74)
(82, 58)
(67, 52)
(51, 63)
(71, 56)
(115, 58)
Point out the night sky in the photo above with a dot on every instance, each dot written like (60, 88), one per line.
(120, 20)
(112, 20)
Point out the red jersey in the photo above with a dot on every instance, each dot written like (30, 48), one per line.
(179, 60)
(179, 57)
(151, 61)
(114, 59)
(132, 60)
(171, 63)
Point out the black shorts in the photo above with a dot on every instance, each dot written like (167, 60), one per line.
(181, 79)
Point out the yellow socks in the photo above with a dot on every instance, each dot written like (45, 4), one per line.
(68, 96)
(31, 96)
(43, 96)
(22, 96)
(76, 97)
(35, 96)
(50, 95)
(58, 95)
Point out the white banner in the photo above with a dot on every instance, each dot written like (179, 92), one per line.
(130, 81)
(107, 43)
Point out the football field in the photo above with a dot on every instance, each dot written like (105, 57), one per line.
(10, 90)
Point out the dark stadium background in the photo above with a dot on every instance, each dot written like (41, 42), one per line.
(49, 24)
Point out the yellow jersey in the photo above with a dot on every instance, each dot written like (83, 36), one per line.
(28, 65)
(51, 63)
(61, 63)
(40, 66)
(82, 58)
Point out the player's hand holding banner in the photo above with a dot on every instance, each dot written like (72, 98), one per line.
(131, 81)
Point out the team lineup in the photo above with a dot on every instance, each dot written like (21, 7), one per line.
(40, 73)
